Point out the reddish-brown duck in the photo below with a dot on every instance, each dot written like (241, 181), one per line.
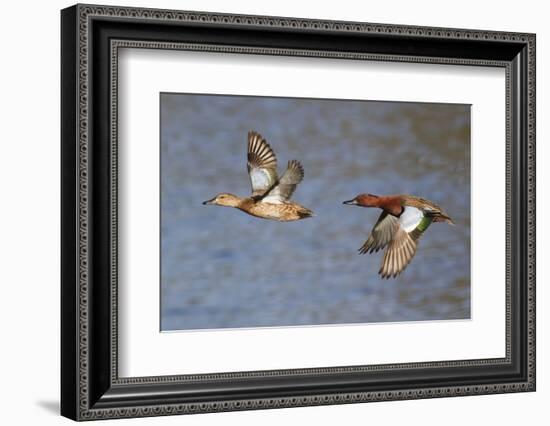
(403, 221)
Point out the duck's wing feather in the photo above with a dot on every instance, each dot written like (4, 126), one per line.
(399, 253)
(285, 187)
(261, 164)
(381, 234)
(410, 218)
(421, 203)
(429, 208)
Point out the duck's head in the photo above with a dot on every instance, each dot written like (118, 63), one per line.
(224, 199)
(364, 200)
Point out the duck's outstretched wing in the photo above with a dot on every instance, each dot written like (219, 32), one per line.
(261, 164)
(381, 234)
(283, 190)
(399, 253)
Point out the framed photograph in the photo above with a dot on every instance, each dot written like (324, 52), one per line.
(263, 212)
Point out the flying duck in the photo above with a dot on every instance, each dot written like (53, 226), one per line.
(403, 220)
(271, 194)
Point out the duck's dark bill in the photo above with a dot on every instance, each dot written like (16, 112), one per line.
(208, 201)
(350, 202)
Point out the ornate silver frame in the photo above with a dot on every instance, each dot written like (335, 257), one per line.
(91, 388)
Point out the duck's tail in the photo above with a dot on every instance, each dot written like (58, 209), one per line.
(304, 213)
(443, 218)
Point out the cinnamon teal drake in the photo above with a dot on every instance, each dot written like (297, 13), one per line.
(270, 197)
(403, 220)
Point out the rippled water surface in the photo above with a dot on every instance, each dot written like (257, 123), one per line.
(223, 268)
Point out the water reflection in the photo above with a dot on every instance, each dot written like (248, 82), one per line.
(223, 268)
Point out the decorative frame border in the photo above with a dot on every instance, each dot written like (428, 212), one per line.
(85, 14)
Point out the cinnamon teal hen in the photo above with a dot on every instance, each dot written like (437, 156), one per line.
(270, 198)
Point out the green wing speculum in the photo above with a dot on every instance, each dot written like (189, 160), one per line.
(424, 224)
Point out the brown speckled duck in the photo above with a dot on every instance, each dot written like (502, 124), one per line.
(403, 221)
(270, 197)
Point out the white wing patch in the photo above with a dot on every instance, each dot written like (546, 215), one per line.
(410, 218)
(259, 178)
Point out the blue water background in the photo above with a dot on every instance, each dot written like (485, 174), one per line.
(221, 268)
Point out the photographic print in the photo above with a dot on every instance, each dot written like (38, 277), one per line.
(361, 193)
(301, 212)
